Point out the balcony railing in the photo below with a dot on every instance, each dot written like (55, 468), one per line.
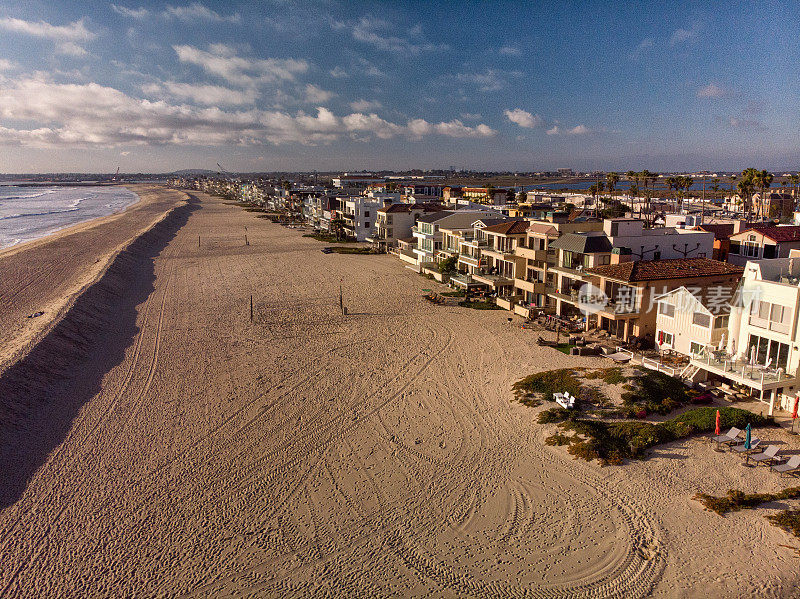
(752, 375)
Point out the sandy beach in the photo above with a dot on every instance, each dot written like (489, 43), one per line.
(156, 442)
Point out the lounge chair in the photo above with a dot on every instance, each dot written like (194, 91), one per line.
(729, 436)
(754, 443)
(768, 456)
(565, 400)
(790, 467)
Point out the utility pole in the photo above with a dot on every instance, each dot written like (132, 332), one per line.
(341, 301)
(251, 307)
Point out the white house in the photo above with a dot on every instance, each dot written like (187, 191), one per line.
(692, 321)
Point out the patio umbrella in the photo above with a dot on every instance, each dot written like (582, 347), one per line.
(752, 355)
(794, 411)
(733, 347)
(721, 345)
(716, 430)
(747, 437)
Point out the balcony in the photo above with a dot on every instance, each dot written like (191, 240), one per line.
(493, 280)
(531, 254)
(741, 371)
(530, 286)
(467, 259)
(502, 254)
(575, 272)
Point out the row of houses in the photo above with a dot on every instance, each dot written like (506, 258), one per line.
(735, 319)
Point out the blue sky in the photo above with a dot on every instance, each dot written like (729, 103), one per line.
(89, 86)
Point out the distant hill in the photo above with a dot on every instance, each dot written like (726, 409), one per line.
(193, 171)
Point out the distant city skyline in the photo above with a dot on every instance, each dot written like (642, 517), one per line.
(290, 86)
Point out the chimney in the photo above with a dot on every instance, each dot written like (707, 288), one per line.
(621, 255)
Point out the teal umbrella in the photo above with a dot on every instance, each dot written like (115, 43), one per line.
(747, 437)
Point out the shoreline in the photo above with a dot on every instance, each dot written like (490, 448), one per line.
(19, 334)
(66, 229)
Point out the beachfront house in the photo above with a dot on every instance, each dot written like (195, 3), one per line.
(693, 320)
(762, 351)
(359, 214)
(429, 237)
(396, 221)
(628, 307)
(763, 242)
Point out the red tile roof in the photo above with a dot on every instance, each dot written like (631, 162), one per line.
(659, 270)
(394, 208)
(777, 234)
(512, 227)
(720, 230)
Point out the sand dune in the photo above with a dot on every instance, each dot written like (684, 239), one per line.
(177, 449)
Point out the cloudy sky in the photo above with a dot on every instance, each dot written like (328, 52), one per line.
(281, 85)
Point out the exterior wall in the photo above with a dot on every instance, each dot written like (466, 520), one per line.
(742, 324)
(681, 325)
(766, 248)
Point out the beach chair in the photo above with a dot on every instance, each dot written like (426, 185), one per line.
(791, 467)
(565, 400)
(754, 443)
(769, 456)
(729, 436)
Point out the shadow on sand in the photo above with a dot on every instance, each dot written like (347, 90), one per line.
(41, 394)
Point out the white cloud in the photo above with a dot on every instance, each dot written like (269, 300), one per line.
(204, 94)
(365, 105)
(685, 35)
(5, 64)
(712, 90)
(222, 62)
(746, 124)
(84, 115)
(133, 13)
(338, 72)
(510, 51)
(197, 12)
(381, 35)
(578, 130)
(66, 37)
(488, 81)
(523, 118)
(317, 95)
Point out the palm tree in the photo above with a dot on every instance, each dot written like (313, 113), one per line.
(612, 179)
(763, 180)
(745, 189)
(633, 188)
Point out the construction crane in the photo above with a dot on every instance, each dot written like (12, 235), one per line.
(116, 175)
(223, 173)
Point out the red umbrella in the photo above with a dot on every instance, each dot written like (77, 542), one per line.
(716, 430)
(794, 411)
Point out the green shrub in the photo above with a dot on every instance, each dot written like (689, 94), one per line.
(552, 415)
(558, 439)
(787, 520)
(611, 442)
(657, 392)
(612, 376)
(480, 305)
(550, 382)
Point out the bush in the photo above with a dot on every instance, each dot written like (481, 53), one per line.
(549, 382)
(481, 305)
(448, 264)
(736, 500)
(611, 442)
(656, 392)
(552, 415)
(558, 439)
(612, 376)
(788, 520)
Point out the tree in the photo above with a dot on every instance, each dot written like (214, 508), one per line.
(448, 265)
(611, 180)
(762, 180)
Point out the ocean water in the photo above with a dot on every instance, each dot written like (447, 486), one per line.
(30, 212)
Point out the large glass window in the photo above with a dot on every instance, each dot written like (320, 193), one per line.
(666, 309)
(701, 319)
(767, 349)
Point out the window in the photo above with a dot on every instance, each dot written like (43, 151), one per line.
(695, 348)
(701, 319)
(749, 249)
(766, 349)
(666, 309)
(656, 255)
(605, 260)
(665, 338)
(366, 214)
(721, 322)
